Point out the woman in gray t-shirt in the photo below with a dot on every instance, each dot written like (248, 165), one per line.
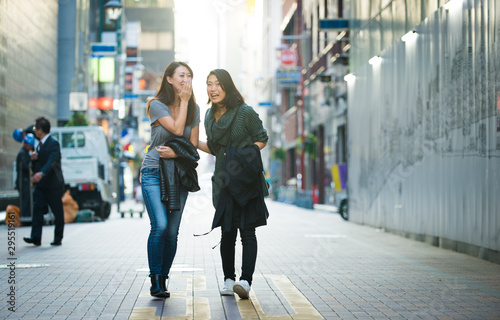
(173, 112)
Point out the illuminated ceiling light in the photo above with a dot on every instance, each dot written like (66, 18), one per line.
(375, 60)
(349, 77)
(410, 36)
(341, 35)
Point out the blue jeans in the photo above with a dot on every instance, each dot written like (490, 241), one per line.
(162, 241)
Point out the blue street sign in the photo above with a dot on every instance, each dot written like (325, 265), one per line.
(130, 96)
(288, 76)
(335, 24)
(103, 48)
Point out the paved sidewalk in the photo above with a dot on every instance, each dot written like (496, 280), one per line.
(311, 265)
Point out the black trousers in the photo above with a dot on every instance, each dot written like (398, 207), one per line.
(227, 252)
(25, 198)
(41, 198)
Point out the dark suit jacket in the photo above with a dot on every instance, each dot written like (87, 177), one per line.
(49, 163)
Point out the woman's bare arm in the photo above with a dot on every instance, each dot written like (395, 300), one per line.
(203, 146)
(261, 145)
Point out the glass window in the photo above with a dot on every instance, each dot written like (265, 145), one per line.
(165, 41)
(67, 140)
(80, 140)
(71, 139)
(156, 41)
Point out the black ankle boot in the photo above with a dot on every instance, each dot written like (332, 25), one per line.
(163, 285)
(156, 287)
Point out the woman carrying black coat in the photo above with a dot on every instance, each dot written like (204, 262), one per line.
(235, 136)
(173, 113)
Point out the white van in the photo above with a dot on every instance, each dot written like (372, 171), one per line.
(86, 167)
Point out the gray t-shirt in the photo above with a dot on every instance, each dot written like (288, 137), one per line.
(159, 134)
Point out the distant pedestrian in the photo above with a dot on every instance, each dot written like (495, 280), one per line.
(49, 183)
(173, 113)
(23, 178)
(235, 136)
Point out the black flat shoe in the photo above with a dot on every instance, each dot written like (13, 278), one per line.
(29, 240)
(56, 243)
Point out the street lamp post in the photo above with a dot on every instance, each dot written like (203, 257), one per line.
(110, 37)
(300, 102)
(113, 9)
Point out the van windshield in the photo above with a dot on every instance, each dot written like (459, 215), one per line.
(72, 140)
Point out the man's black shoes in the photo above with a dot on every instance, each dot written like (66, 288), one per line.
(37, 243)
(29, 240)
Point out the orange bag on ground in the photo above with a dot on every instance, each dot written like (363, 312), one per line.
(70, 207)
(12, 216)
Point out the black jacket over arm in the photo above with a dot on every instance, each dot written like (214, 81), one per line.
(178, 172)
(241, 178)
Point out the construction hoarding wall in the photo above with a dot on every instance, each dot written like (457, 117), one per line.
(424, 131)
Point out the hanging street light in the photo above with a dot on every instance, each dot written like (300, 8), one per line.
(113, 9)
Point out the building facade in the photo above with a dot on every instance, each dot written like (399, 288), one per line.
(28, 75)
(73, 43)
(312, 100)
(150, 48)
(157, 37)
(424, 114)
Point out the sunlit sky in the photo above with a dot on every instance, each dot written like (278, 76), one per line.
(196, 42)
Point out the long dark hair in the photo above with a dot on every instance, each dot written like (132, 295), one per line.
(166, 94)
(233, 97)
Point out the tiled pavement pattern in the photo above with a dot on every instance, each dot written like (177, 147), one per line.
(311, 265)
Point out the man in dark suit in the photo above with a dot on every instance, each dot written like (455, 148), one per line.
(49, 183)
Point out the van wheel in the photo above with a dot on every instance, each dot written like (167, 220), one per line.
(105, 210)
(343, 210)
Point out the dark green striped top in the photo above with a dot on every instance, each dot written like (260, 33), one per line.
(246, 129)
